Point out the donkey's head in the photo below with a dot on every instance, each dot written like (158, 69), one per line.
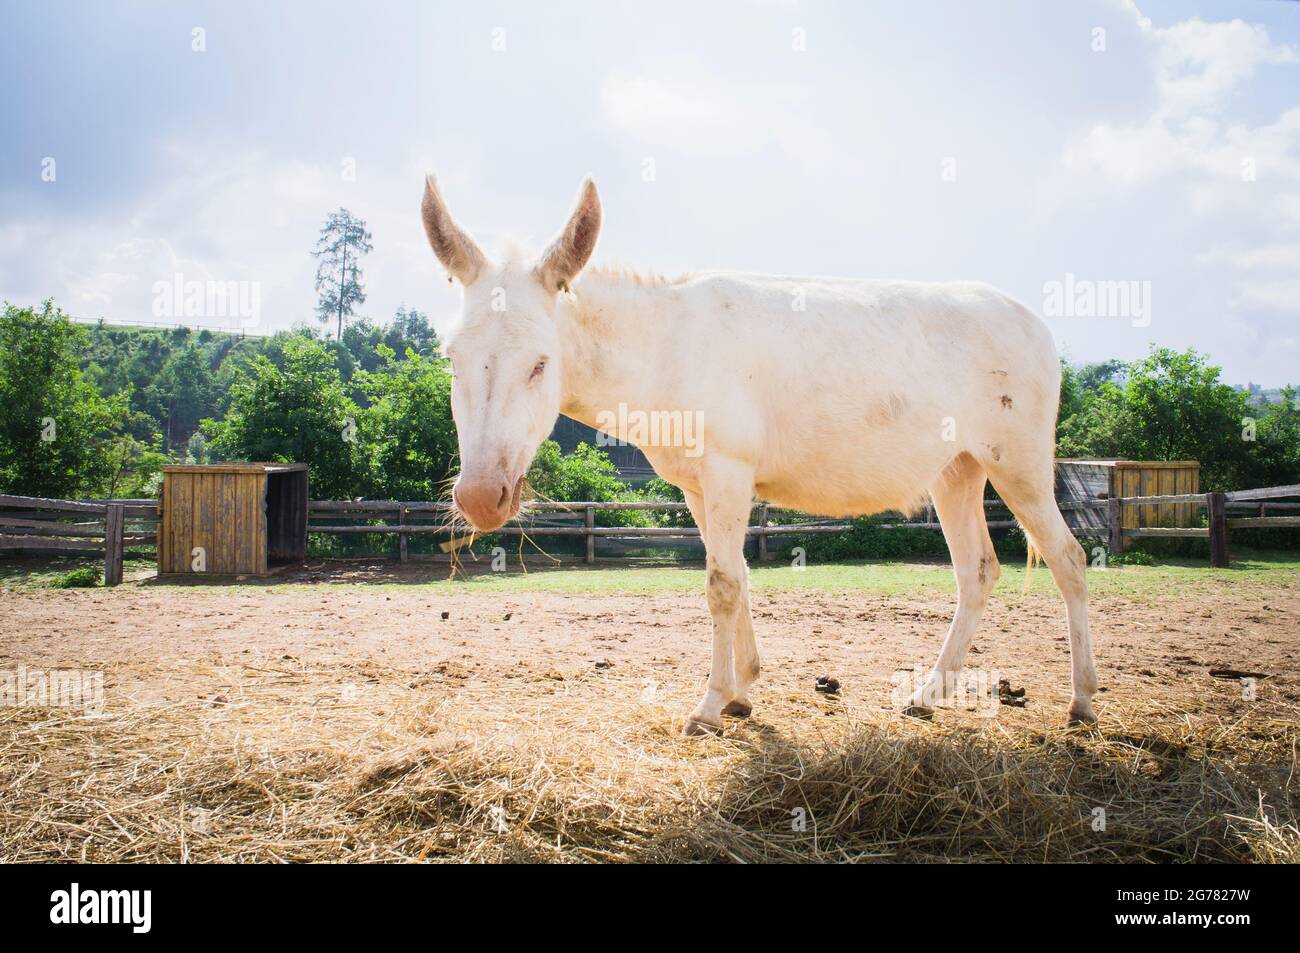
(505, 354)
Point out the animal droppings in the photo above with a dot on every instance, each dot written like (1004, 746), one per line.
(1015, 697)
(827, 685)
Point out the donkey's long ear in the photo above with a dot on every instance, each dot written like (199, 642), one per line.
(565, 256)
(459, 253)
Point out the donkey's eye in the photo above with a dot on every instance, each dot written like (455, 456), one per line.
(538, 368)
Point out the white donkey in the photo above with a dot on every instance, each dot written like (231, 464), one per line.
(834, 396)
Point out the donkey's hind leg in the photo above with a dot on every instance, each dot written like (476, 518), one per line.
(1031, 498)
(959, 501)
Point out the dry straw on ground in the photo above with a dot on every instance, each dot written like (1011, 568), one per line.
(363, 765)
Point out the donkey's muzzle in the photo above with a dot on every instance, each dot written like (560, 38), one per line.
(487, 503)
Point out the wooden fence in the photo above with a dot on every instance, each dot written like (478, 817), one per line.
(111, 526)
(405, 519)
(29, 523)
(1218, 522)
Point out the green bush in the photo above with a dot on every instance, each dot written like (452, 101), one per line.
(661, 491)
(87, 577)
(865, 539)
(1134, 557)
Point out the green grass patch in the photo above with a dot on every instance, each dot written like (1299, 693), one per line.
(1172, 578)
(1168, 579)
(86, 577)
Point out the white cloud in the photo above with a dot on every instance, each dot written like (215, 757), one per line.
(1200, 64)
(222, 216)
(1197, 67)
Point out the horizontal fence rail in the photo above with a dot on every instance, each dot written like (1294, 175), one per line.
(413, 519)
(110, 526)
(56, 527)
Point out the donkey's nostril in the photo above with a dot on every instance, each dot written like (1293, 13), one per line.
(485, 503)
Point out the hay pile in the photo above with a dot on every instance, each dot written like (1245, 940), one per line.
(311, 764)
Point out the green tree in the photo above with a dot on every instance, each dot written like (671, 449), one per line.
(362, 341)
(136, 468)
(299, 412)
(1092, 376)
(56, 429)
(411, 329)
(1171, 406)
(409, 433)
(182, 393)
(196, 449)
(1274, 455)
(343, 240)
(1072, 394)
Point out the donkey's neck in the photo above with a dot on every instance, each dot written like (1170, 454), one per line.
(611, 329)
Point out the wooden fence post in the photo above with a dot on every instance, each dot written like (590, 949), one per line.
(763, 554)
(1115, 519)
(591, 538)
(401, 537)
(113, 544)
(1216, 505)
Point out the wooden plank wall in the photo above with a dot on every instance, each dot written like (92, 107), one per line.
(174, 534)
(222, 512)
(1155, 479)
(251, 514)
(1078, 481)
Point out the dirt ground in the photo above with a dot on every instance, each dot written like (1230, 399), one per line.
(175, 643)
(372, 662)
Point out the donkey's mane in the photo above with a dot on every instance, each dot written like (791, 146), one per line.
(514, 252)
(646, 279)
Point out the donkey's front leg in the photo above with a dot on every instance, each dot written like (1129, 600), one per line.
(728, 491)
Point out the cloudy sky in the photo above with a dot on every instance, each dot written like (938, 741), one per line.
(1017, 143)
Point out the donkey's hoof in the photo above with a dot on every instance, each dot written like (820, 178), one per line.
(1080, 716)
(695, 728)
(919, 711)
(738, 709)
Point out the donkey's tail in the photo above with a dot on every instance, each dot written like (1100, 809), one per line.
(1032, 558)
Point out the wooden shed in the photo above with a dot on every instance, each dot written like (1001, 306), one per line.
(232, 518)
(1078, 480)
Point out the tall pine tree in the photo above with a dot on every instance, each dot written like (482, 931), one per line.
(343, 240)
